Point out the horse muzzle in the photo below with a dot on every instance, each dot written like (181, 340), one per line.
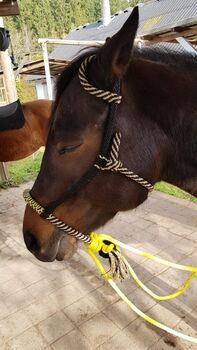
(59, 246)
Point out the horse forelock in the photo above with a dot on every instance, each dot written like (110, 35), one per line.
(70, 71)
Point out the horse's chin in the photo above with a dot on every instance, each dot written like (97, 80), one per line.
(63, 249)
(67, 248)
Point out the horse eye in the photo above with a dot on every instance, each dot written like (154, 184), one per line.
(67, 149)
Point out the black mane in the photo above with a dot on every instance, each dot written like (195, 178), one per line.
(70, 71)
(168, 55)
(164, 55)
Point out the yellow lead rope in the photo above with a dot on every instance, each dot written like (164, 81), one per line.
(119, 265)
(97, 243)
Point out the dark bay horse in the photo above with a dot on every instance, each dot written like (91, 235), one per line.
(20, 143)
(157, 118)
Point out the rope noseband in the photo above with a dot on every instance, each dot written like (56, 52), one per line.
(53, 219)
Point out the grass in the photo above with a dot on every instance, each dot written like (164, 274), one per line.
(27, 169)
(23, 171)
(174, 191)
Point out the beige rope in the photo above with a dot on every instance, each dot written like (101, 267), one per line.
(114, 164)
(118, 268)
(55, 221)
(105, 95)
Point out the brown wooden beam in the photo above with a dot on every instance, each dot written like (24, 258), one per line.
(37, 68)
(170, 36)
(9, 8)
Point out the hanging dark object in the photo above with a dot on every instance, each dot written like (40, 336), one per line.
(12, 57)
(11, 116)
(4, 39)
(5, 42)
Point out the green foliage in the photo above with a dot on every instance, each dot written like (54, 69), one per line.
(25, 90)
(23, 170)
(19, 90)
(117, 5)
(173, 191)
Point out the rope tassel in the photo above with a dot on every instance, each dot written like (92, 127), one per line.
(119, 270)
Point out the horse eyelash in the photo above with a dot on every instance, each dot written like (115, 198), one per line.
(68, 149)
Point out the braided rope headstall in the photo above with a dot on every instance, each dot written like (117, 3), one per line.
(105, 248)
(112, 163)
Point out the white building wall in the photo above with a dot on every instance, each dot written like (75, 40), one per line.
(41, 89)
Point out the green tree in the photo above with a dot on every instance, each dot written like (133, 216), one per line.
(61, 11)
(19, 90)
(117, 5)
(49, 18)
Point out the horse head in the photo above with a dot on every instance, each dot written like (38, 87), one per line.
(68, 186)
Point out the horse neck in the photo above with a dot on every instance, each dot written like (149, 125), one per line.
(167, 97)
(38, 116)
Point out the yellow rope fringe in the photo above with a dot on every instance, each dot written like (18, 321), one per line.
(97, 244)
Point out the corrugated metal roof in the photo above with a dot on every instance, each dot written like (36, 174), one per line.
(155, 17)
(167, 13)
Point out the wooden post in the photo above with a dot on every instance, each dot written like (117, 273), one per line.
(8, 73)
(10, 90)
(4, 171)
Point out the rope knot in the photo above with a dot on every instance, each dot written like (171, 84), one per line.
(98, 244)
(113, 163)
(106, 248)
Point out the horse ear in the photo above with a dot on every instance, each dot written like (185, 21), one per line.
(115, 54)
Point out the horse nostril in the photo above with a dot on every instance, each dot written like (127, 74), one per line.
(31, 242)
